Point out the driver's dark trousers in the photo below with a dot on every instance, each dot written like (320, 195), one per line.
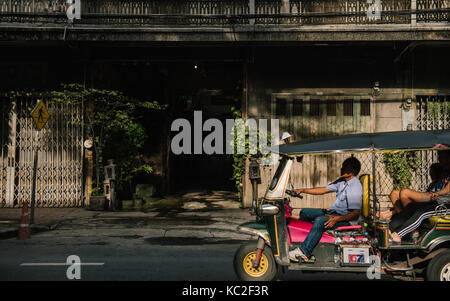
(318, 218)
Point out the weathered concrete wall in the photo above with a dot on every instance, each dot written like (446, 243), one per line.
(343, 74)
(388, 115)
(323, 70)
(230, 34)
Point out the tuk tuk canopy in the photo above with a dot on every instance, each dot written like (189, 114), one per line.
(370, 142)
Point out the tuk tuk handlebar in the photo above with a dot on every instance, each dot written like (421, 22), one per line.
(293, 193)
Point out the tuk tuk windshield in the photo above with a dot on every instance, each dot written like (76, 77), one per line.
(278, 173)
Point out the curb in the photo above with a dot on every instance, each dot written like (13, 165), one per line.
(10, 233)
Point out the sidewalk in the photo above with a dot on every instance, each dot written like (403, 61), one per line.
(199, 215)
(44, 219)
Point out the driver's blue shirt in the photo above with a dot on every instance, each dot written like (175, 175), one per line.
(348, 195)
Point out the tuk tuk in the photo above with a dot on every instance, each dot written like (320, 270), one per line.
(362, 248)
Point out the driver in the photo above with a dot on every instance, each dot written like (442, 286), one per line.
(345, 210)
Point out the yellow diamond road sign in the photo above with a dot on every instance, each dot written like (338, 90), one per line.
(40, 115)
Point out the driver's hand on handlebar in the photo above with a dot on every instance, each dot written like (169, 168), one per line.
(299, 191)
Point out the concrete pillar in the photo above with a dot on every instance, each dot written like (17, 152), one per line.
(89, 159)
(413, 15)
(285, 9)
(252, 10)
(285, 5)
(11, 164)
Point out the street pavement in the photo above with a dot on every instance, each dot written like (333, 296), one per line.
(194, 240)
(191, 242)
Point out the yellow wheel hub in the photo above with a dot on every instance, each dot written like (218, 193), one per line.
(258, 271)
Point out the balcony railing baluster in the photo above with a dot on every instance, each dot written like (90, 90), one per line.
(222, 12)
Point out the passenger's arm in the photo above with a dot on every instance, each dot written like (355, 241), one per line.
(443, 191)
(314, 191)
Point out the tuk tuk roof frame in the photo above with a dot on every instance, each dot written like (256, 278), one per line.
(369, 143)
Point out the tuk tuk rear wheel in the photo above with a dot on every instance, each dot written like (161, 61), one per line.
(267, 269)
(438, 268)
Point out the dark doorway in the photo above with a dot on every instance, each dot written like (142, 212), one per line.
(213, 89)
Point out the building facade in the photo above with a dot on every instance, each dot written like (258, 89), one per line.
(322, 68)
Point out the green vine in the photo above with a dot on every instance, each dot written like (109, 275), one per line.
(446, 108)
(246, 144)
(97, 191)
(434, 109)
(400, 167)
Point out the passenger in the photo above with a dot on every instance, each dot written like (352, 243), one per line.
(440, 177)
(410, 218)
(414, 213)
(345, 209)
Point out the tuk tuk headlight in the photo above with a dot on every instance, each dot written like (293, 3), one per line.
(268, 210)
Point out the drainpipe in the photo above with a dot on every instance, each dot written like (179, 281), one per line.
(245, 87)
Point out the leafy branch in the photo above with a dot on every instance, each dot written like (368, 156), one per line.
(400, 167)
(112, 120)
(246, 144)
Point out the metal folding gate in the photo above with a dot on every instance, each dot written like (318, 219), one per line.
(432, 113)
(59, 146)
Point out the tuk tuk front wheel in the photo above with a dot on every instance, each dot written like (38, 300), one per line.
(439, 267)
(243, 264)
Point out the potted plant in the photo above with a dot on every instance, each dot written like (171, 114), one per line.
(98, 200)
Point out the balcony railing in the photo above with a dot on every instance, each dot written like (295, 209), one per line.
(223, 12)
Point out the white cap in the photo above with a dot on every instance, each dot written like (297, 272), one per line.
(285, 135)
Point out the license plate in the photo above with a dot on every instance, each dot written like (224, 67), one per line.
(356, 255)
